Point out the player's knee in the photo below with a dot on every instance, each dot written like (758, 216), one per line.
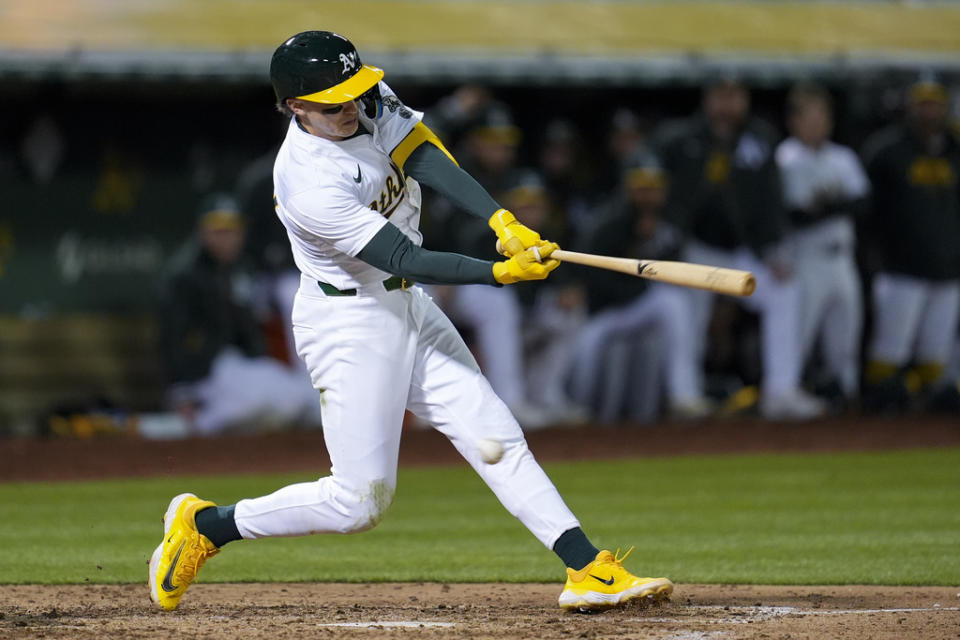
(369, 507)
(514, 449)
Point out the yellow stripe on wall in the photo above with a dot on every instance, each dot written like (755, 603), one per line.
(489, 27)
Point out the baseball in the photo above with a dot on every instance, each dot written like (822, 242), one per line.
(491, 450)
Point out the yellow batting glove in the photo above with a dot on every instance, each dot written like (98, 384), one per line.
(537, 253)
(513, 236)
(541, 246)
(530, 264)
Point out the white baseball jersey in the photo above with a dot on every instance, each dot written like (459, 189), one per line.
(823, 254)
(807, 172)
(333, 197)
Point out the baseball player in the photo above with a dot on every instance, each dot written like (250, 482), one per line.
(630, 309)
(724, 192)
(553, 311)
(916, 220)
(347, 191)
(212, 348)
(824, 187)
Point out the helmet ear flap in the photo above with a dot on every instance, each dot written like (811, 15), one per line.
(372, 104)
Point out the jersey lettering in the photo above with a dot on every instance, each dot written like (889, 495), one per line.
(392, 194)
(931, 172)
(718, 167)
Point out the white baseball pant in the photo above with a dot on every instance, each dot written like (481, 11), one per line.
(776, 301)
(241, 390)
(494, 315)
(913, 317)
(372, 356)
(663, 310)
(549, 338)
(831, 303)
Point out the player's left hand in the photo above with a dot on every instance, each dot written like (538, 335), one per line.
(536, 253)
(513, 236)
(529, 264)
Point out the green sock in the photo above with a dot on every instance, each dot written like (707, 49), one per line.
(574, 549)
(218, 524)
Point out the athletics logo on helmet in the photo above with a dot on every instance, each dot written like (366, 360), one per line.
(320, 66)
(349, 61)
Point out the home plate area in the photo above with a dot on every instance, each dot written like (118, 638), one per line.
(696, 612)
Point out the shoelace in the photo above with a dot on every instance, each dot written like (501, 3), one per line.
(617, 560)
(193, 558)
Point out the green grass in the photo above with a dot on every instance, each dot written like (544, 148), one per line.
(869, 518)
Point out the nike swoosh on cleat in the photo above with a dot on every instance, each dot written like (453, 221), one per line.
(606, 582)
(359, 175)
(167, 584)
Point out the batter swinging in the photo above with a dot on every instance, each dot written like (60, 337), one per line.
(346, 184)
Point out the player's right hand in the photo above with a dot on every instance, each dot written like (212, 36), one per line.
(533, 263)
(513, 237)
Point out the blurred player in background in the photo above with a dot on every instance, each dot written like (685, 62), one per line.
(567, 173)
(724, 194)
(626, 138)
(278, 277)
(212, 346)
(453, 116)
(347, 191)
(824, 187)
(630, 310)
(916, 222)
(553, 310)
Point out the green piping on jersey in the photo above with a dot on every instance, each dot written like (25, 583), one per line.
(421, 133)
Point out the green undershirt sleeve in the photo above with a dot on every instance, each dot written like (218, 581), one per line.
(391, 251)
(430, 166)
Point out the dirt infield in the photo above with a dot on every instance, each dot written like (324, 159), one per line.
(697, 612)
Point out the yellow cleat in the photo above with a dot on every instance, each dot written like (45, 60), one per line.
(175, 563)
(604, 583)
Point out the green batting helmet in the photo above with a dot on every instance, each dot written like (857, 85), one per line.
(320, 66)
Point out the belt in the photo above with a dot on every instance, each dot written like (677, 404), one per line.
(390, 284)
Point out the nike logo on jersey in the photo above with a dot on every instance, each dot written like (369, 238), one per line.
(357, 179)
(606, 582)
(167, 584)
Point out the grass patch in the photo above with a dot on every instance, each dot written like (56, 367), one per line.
(865, 518)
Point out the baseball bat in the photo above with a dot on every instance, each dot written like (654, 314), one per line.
(732, 282)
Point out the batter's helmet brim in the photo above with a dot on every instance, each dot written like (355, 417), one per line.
(350, 89)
